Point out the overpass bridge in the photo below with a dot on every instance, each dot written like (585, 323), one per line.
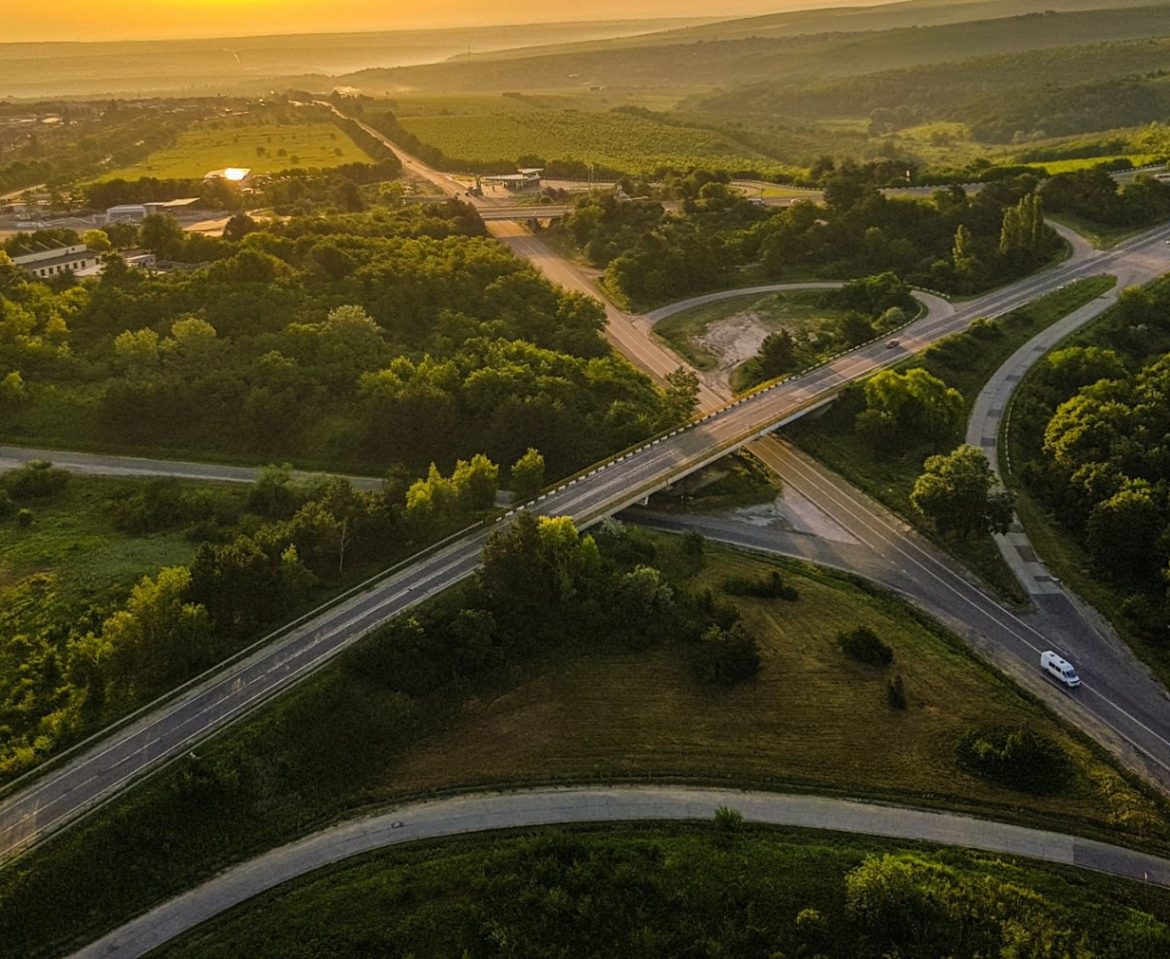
(96, 770)
(533, 211)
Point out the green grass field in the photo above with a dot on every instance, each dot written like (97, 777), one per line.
(691, 334)
(76, 555)
(552, 128)
(606, 887)
(965, 362)
(340, 744)
(220, 143)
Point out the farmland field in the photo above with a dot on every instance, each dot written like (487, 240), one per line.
(506, 129)
(264, 147)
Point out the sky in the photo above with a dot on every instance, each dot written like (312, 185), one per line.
(29, 20)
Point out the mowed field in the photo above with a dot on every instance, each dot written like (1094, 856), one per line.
(260, 146)
(507, 128)
(813, 717)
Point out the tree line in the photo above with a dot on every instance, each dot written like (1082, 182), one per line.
(395, 336)
(1091, 427)
(952, 242)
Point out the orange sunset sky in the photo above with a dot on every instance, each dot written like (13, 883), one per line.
(141, 19)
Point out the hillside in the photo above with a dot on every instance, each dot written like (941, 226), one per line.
(695, 60)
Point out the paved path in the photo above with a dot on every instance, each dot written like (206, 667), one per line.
(101, 464)
(986, 422)
(481, 813)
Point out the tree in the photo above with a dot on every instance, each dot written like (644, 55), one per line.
(726, 657)
(138, 350)
(1074, 367)
(476, 483)
(238, 227)
(681, 398)
(905, 409)
(1023, 232)
(97, 240)
(864, 645)
(954, 492)
(12, 389)
(1123, 533)
(162, 235)
(777, 354)
(527, 476)
(159, 636)
(532, 571)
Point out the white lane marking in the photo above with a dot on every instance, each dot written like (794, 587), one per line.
(1008, 627)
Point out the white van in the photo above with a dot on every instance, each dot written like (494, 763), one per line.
(1059, 669)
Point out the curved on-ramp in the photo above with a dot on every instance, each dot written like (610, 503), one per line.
(476, 813)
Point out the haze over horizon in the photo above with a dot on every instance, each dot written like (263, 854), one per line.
(102, 20)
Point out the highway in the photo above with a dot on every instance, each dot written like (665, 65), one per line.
(92, 775)
(38, 805)
(480, 813)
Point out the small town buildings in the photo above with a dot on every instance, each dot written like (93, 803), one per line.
(78, 260)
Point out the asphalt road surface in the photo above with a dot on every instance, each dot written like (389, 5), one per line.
(94, 774)
(1120, 704)
(102, 464)
(478, 813)
(90, 775)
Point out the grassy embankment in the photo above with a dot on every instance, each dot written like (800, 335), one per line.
(606, 888)
(964, 361)
(340, 743)
(1102, 237)
(216, 144)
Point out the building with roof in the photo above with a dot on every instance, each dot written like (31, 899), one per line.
(522, 181)
(137, 212)
(58, 260)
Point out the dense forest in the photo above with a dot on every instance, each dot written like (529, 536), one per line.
(390, 341)
(953, 242)
(1093, 425)
(393, 337)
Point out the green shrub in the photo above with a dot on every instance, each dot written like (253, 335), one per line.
(25, 518)
(769, 586)
(1019, 758)
(864, 645)
(727, 657)
(35, 480)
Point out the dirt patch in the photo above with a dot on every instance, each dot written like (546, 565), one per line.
(793, 512)
(733, 341)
